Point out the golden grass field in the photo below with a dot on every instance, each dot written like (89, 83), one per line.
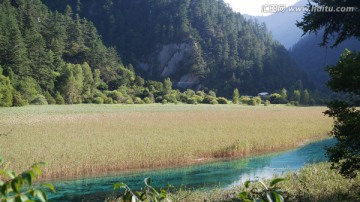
(81, 140)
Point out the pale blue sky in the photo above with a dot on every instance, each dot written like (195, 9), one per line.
(253, 7)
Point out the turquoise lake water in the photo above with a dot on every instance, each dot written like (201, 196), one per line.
(219, 174)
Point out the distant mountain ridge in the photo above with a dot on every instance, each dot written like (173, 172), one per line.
(282, 25)
(305, 50)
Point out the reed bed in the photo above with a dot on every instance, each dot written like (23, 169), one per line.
(81, 140)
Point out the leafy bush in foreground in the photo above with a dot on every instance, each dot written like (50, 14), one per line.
(148, 194)
(20, 187)
(264, 193)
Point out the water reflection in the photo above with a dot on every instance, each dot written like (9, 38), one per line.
(219, 174)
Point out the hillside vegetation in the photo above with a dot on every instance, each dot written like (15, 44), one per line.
(49, 57)
(197, 43)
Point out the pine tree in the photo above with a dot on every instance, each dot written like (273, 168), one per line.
(284, 96)
(87, 91)
(15, 51)
(6, 92)
(297, 96)
(167, 86)
(236, 96)
(73, 86)
(305, 97)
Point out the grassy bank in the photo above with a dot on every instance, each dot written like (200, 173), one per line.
(315, 183)
(90, 139)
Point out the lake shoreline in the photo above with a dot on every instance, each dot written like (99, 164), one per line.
(49, 177)
(220, 176)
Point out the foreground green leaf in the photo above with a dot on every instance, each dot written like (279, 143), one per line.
(275, 181)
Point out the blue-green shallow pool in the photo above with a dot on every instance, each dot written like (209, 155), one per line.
(218, 174)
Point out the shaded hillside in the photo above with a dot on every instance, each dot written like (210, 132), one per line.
(313, 58)
(197, 43)
(305, 50)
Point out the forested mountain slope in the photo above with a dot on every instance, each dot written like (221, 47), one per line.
(57, 58)
(197, 43)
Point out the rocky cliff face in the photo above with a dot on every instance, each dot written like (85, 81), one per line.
(170, 61)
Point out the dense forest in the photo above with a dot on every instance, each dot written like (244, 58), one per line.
(197, 43)
(200, 47)
(49, 57)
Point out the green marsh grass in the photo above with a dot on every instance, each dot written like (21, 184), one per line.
(315, 183)
(82, 140)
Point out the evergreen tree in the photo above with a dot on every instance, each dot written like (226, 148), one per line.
(236, 96)
(71, 89)
(87, 91)
(167, 86)
(297, 96)
(305, 97)
(284, 96)
(6, 92)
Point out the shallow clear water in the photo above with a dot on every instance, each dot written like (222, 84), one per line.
(219, 174)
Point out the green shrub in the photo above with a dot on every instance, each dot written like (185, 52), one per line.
(171, 98)
(199, 99)
(138, 100)
(50, 98)
(18, 101)
(148, 100)
(257, 100)
(214, 102)
(201, 94)
(87, 100)
(19, 187)
(99, 94)
(245, 99)
(98, 100)
(159, 99)
(145, 194)
(252, 102)
(294, 103)
(108, 100)
(262, 192)
(212, 93)
(164, 101)
(129, 101)
(210, 100)
(192, 100)
(115, 95)
(28, 88)
(277, 99)
(189, 93)
(222, 100)
(59, 99)
(267, 103)
(183, 98)
(39, 100)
